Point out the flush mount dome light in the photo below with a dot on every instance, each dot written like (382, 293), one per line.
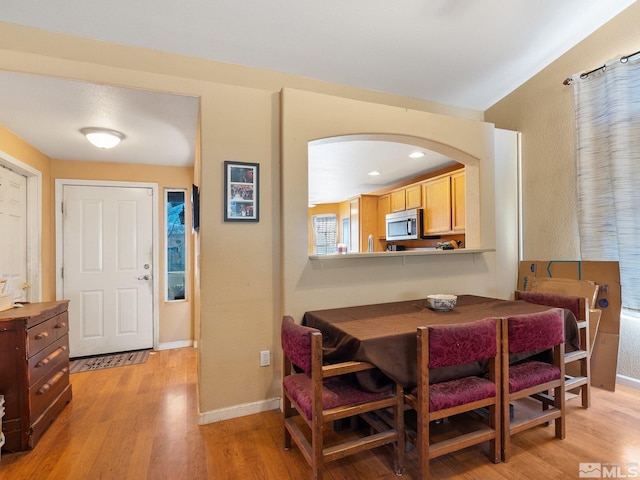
(416, 154)
(374, 173)
(102, 137)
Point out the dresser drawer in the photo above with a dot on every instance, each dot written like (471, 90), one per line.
(43, 334)
(47, 389)
(53, 357)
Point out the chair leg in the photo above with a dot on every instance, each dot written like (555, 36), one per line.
(317, 457)
(398, 415)
(560, 404)
(506, 431)
(495, 450)
(286, 413)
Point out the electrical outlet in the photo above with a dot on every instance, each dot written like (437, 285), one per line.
(265, 358)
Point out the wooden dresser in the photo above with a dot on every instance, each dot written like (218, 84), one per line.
(34, 370)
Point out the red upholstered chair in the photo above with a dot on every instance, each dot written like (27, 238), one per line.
(532, 378)
(580, 376)
(322, 394)
(445, 346)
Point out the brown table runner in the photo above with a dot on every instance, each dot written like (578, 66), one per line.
(385, 334)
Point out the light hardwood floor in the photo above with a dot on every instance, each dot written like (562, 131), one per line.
(140, 422)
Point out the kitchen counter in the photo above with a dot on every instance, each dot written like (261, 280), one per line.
(403, 253)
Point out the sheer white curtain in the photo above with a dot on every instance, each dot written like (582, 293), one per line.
(607, 113)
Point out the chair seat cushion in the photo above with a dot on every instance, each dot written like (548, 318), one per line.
(336, 392)
(528, 374)
(458, 392)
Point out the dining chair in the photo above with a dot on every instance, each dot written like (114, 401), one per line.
(446, 346)
(577, 361)
(320, 394)
(532, 378)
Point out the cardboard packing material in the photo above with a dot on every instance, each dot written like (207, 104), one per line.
(605, 350)
(556, 276)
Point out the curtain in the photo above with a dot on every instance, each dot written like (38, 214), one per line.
(607, 155)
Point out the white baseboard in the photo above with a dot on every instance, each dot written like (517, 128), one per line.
(171, 345)
(239, 411)
(628, 381)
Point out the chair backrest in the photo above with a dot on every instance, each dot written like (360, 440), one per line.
(536, 331)
(576, 305)
(296, 342)
(461, 343)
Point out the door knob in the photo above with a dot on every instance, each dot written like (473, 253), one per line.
(144, 277)
(26, 285)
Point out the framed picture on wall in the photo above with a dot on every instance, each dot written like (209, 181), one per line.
(241, 192)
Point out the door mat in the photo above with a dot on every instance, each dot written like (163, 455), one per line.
(89, 364)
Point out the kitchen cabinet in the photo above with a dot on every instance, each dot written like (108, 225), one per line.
(458, 201)
(384, 207)
(443, 200)
(413, 197)
(363, 221)
(398, 201)
(34, 370)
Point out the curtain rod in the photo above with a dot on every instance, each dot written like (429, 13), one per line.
(625, 59)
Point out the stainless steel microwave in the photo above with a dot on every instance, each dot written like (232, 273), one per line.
(405, 225)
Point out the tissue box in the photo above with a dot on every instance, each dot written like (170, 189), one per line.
(6, 302)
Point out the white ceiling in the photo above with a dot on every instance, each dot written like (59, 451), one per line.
(465, 53)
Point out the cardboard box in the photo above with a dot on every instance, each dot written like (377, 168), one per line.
(603, 371)
(604, 330)
(594, 322)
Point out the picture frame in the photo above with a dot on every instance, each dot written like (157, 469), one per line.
(241, 192)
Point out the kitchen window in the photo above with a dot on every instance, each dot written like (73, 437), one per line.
(325, 234)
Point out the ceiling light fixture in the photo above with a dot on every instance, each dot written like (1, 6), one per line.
(374, 173)
(416, 154)
(102, 137)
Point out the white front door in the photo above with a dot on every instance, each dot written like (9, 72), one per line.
(13, 236)
(107, 268)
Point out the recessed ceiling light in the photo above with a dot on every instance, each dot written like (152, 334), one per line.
(416, 154)
(102, 137)
(374, 173)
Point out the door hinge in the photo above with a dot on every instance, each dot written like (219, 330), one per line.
(62, 272)
(62, 207)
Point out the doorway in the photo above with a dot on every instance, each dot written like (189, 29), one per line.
(27, 285)
(106, 239)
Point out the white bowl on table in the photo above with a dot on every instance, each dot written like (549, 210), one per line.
(441, 302)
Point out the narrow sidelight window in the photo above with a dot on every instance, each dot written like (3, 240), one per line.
(175, 241)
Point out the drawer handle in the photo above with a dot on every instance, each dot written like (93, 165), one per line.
(55, 379)
(42, 335)
(60, 325)
(51, 356)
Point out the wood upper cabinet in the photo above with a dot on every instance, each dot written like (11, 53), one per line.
(398, 201)
(384, 207)
(413, 197)
(436, 196)
(368, 221)
(458, 202)
(443, 200)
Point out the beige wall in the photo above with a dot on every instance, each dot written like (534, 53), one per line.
(251, 273)
(542, 109)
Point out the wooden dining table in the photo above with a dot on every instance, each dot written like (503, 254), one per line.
(384, 334)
